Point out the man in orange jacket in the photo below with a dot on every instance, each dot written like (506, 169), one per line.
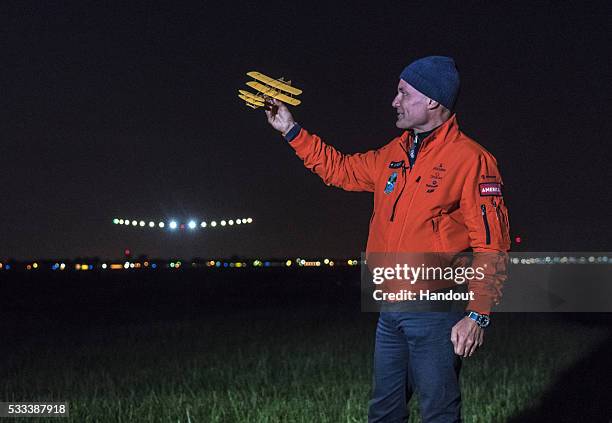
(435, 190)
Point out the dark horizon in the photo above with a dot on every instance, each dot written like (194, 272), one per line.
(132, 111)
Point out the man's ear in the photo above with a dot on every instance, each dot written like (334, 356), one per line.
(432, 104)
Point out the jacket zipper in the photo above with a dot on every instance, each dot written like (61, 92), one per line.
(483, 211)
(399, 195)
(503, 223)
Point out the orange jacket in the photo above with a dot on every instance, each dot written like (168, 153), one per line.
(450, 201)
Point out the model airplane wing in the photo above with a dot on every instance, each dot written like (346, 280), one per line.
(271, 92)
(279, 85)
(250, 102)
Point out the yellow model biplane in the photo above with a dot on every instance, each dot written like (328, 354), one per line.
(268, 88)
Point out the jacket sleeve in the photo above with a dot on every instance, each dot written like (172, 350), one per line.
(486, 218)
(351, 172)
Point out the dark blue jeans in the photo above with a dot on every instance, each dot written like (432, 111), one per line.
(414, 353)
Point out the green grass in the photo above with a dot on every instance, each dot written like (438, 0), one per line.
(269, 366)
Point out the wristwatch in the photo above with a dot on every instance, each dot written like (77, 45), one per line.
(481, 320)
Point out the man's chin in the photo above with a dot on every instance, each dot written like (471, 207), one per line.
(400, 124)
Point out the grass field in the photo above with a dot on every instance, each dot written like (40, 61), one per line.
(264, 363)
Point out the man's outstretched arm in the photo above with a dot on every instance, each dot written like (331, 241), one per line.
(351, 172)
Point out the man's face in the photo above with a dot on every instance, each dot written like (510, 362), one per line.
(411, 106)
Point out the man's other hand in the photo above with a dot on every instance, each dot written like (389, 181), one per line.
(282, 120)
(466, 336)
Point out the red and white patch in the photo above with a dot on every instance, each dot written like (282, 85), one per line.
(490, 189)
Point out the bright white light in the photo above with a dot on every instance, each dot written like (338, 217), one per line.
(115, 221)
(162, 224)
(121, 221)
(126, 222)
(173, 225)
(238, 221)
(104, 266)
(244, 221)
(134, 223)
(151, 224)
(203, 224)
(249, 220)
(192, 224)
(142, 223)
(231, 222)
(223, 223)
(126, 265)
(213, 223)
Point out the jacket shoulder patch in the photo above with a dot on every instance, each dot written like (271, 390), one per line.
(488, 189)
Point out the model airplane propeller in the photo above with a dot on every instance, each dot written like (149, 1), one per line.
(268, 88)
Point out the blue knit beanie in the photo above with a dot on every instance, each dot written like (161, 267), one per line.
(436, 77)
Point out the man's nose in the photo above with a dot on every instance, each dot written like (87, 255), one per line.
(395, 102)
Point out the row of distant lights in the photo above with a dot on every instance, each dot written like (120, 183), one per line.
(173, 224)
(562, 260)
(177, 264)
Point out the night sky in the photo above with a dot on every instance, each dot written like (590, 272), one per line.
(131, 111)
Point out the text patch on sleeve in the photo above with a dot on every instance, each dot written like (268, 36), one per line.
(488, 189)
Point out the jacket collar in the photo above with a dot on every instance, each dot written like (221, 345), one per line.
(447, 131)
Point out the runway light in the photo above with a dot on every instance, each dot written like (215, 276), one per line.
(223, 223)
(151, 224)
(288, 263)
(126, 265)
(134, 223)
(162, 224)
(213, 223)
(62, 266)
(192, 224)
(142, 223)
(231, 222)
(244, 221)
(116, 221)
(173, 224)
(238, 221)
(326, 261)
(203, 224)
(249, 220)
(35, 265)
(121, 221)
(104, 266)
(126, 222)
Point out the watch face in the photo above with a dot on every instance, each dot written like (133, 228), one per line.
(484, 321)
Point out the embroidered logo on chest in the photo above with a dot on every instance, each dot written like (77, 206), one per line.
(391, 183)
(437, 174)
